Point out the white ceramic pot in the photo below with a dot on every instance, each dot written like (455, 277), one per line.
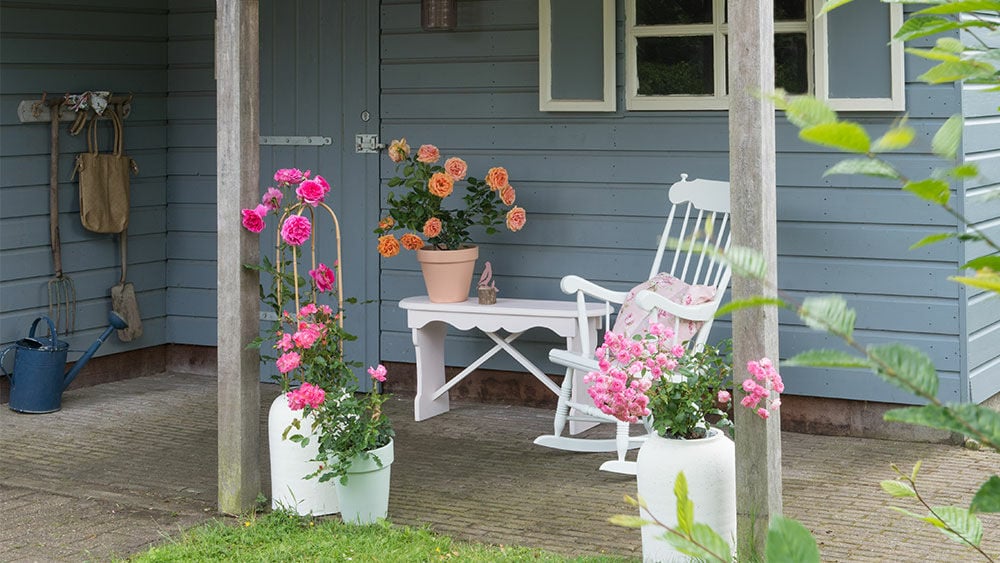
(709, 464)
(365, 497)
(290, 463)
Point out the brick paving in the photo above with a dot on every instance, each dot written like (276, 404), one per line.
(126, 464)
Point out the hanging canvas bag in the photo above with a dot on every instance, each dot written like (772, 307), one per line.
(104, 181)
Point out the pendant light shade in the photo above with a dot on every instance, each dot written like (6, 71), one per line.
(438, 15)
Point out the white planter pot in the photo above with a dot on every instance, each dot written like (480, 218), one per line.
(709, 464)
(290, 463)
(365, 497)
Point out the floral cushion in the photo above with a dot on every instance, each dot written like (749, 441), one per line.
(633, 319)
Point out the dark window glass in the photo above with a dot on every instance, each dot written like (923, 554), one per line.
(675, 65)
(785, 10)
(791, 68)
(671, 12)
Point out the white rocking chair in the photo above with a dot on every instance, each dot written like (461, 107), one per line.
(701, 202)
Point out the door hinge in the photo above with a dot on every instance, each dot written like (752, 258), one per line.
(367, 143)
(295, 140)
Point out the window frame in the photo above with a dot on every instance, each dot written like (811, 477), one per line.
(545, 100)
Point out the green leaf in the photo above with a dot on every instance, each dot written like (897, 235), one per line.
(866, 166)
(964, 171)
(627, 521)
(704, 544)
(977, 421)
(963, 6)
(828, 313)
(745, 262)
(963, 524)
(827, 358)
(716, 544)
(952, 71)
(898, 489)
(844, 135)
(989, 281)
(931, 189)
(896, 138)
(987, 499)
(789, 541)
(992, 262)
(832, 5)
(948, 137)
(685, 508)
(931, 239)
(916, 468)
(738, 304)
(921, 26)
(913, 370)
(807, 111)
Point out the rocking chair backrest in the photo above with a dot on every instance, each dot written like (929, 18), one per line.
(704, 224)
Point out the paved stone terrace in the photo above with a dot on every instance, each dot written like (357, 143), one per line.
(125, 464)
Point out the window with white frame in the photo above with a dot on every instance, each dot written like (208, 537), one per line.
(676, 54)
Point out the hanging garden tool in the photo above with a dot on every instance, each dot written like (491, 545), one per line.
(62, 291)
(104, 208)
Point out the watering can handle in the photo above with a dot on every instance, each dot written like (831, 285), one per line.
(3, 356)
(52, 330)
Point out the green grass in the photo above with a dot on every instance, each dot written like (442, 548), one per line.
(280, 536)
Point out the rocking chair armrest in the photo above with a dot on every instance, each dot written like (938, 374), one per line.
(573, 284)
(572, 360)
(702, 312)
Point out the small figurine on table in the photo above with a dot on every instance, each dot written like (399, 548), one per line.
(487, 289)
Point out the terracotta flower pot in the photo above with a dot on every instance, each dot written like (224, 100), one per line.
(448, 273)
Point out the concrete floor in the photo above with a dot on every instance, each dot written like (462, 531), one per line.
(125, 464)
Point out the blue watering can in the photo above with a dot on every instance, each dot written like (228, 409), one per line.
(37, 382)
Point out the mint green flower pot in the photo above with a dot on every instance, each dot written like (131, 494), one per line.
(365, 497)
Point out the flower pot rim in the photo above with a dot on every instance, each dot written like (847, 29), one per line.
(438, 256)
(713, 434)
(386, 455)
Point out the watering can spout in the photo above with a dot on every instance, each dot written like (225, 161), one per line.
(115, 322)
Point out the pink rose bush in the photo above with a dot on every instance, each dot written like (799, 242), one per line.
(323, 277)
(306, 395)
(426, 203)
(764, 385)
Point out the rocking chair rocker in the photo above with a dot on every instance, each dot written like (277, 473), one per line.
(701, 203)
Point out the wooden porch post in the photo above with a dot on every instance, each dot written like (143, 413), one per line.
(755, 331)
(237, 71)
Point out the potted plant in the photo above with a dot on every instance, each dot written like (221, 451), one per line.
(680, 393)
(318, 383)
(436, 223)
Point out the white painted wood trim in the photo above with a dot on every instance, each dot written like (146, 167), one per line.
(897, 99)
(545, 100)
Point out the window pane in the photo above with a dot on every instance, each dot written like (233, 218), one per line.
(791, 70)
(785, 10)
(666, 12)
(675, 65)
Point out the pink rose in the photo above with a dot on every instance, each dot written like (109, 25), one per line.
(307, 309)
(296, 230)
(516, 219)
(724, 396)
(288, 361)
(377, 373)
(305, 338)
(323, 276)
(253, 219)
(285, 344)
(507, 195)
(456, 168)
(428, 154)
(272, 199)
(290, 176)
(323, 183)
(306, 395)
(311, 192)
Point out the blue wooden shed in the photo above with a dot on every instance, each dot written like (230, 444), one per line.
(593, 115)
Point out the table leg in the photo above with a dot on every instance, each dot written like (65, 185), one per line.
(428, 343)
(579, 387)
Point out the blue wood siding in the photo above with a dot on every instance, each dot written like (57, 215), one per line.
(191, 169)
(67, 46)
(594, 186)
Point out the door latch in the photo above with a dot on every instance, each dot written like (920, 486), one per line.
(367, 143)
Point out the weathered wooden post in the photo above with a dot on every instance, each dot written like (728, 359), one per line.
(755, 331)
(237, 71)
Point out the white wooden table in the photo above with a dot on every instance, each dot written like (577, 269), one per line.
(427, 321)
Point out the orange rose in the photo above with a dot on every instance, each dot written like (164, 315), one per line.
(386, 224)
(516, 219)
(440, 184)
(398, 150)
(456, 168)
(432, 227)
(388, 246)
(507, 195)
(496, 178)
(428, 154)
(411, 241)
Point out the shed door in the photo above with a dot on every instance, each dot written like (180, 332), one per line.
(319, 78)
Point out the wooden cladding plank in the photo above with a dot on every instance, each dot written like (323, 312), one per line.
(75, 50)
(138, 78)
(69, 20)
(90, 284)
(983, 204)
(191, 51)
(191, 302)
(989, 169)
(981, 134)
(148, 108)
(191, 246)
(405, 17)
(191, 218)
(34, 140)
(195, 274)
(188, 106)
(28, 232)
(80, 256)
(982, 311)
(978, 101)
(33, 170)
(984, 382)
(984, 346)
(190, 162)
(487, 73)
(466, 44)
(860, 385)
(199, 331)
(191, 189)
(25, 201)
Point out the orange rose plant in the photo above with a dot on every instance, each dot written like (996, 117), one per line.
(429, 210)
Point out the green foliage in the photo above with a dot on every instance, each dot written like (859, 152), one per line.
(899, 137)
(843, 135)
(977, 421)
(685, 506)
(827, 359)
(987, 499)
(738, 304)
(906, 367)
(931, 239)
(931, 189)
(957, 523)
(948, 138)
(898, 489)
(703, 544)
(679, 407)
(743, 261)
(828, 313)
(868, 167)
(789, 541)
